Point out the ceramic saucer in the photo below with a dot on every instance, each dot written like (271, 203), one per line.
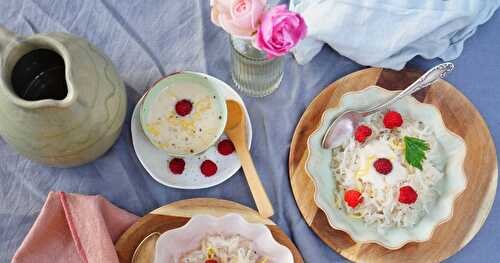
(156, 161)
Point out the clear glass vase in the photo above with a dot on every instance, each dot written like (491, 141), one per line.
(253, 73)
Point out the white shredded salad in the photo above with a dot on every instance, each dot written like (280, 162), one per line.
(224, 249)
(352, 167)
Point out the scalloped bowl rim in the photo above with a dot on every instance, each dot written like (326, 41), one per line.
(163, 84)
(259, 234)
(458, 156)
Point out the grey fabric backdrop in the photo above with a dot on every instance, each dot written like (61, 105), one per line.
(150, 38)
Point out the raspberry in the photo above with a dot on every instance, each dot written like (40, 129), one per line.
(225, 147)
(183, 107)
(353, 198)
(208, 168)
(177, 165)
(211, 261)
(407, 195)
(362, 132)
(393, 119)
(383, 166)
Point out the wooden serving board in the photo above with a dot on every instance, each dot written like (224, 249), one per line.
(471, 208)
(177, 214)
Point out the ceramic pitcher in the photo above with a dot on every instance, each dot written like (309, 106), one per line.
(68, 132)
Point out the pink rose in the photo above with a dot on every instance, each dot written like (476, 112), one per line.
(280, 31)
(238, 17)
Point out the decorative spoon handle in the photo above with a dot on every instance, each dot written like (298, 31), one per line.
(429, 78)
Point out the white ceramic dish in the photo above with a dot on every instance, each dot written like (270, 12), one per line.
(155, 161)
(193, 86)
(174, 243)
(452, 185)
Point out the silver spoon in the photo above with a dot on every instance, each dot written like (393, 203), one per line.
(145, 251)
(344, 125)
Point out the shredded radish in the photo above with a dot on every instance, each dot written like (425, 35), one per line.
(352, 167)
(224, 249)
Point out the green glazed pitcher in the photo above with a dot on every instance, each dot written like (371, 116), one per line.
(66, 131)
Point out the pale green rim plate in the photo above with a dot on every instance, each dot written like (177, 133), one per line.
(452, 185)
(189, 77)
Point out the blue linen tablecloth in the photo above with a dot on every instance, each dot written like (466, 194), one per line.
(150, 38)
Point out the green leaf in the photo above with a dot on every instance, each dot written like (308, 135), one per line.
(415, 149)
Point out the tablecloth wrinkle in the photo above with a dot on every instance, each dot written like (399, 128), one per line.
(148, 39)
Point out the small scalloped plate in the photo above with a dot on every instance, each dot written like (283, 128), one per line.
(176, 242)
(155, 161)
(452, 185)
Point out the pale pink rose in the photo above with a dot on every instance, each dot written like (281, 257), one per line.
(280, 30)
(238, 17)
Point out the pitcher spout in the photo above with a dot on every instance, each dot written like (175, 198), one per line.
(35, 71)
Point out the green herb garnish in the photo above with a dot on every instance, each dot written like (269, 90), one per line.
(415, 149)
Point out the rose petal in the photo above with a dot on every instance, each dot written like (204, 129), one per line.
(258, 9)
(280, 31)
(231, 28)
(242, 18)
(214, 16)
(223, 5)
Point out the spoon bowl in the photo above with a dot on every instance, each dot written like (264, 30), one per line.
(236, 117)
(145, 251)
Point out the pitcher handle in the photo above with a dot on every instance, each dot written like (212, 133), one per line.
(6, 37)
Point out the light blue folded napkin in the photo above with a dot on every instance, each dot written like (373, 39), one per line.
(388, 33)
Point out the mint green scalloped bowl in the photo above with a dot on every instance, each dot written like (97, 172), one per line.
(451, 186)
(182, 78)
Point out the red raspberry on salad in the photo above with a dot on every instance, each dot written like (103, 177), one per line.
(225, 147)
(393, 119)
(383, 166)
(362, 132)
(353, 198)
(208, 168)
(177, 165)
(407, 195)
(183, 107)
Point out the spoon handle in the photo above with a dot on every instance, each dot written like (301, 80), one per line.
(256, 188)
(429, 78)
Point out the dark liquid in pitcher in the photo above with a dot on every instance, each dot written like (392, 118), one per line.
(39, 75)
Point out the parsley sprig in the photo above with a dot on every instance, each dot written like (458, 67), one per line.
(415, 149)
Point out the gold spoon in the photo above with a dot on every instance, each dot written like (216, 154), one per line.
(235, 130)
(145, 251)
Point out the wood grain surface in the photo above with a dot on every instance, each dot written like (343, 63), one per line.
(471, 208)
(177, 214)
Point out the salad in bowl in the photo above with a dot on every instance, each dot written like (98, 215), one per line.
(227, 239)
(395, 179)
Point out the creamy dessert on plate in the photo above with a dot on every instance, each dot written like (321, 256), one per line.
(388, 172)
(183, 114)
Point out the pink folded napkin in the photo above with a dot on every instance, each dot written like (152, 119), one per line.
(74, 228)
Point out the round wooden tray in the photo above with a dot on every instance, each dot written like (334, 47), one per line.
(471, 208)
(177, 214)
